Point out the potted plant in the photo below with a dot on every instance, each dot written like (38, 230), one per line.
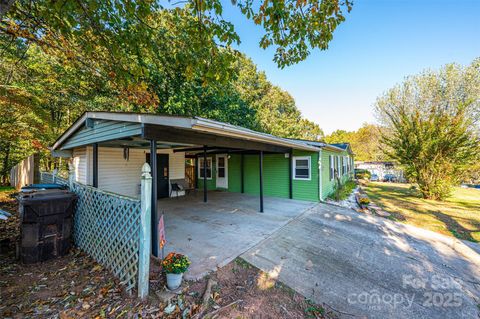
(175, 265)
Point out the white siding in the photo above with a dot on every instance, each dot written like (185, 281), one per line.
(80, 164)
(117, 175)
(176, 161)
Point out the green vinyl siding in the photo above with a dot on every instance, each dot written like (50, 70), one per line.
(307, 189)
(275, 176)
(328, 186)
(275, 180)
(234, 174)
(251, 175)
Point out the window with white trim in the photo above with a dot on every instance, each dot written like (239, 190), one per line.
(209, 167)
(332, 167)
(302, 167)
(338, 166)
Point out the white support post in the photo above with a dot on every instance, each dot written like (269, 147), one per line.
(54, 175)
(145, 232)
(71, 175)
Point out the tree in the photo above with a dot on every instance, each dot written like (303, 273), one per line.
(365, 142)
(276, 111)
(104, 28)
(431, 126)
(42, 93)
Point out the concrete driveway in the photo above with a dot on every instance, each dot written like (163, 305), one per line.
(369, 267)
(214, 233)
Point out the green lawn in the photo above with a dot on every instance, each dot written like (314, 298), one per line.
(458, 216)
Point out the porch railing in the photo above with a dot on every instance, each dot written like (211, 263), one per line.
(52, 178)
(114, 229)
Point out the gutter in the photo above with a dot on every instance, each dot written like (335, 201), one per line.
(218, 128)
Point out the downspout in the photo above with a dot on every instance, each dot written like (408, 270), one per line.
(320, 195)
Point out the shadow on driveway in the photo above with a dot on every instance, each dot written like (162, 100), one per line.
(362, 265)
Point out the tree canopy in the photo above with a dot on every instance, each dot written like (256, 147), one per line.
(114, 30)
(365, 142)
(43, 91)
(431, 126)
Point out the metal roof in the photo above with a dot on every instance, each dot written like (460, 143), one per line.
(195, 124)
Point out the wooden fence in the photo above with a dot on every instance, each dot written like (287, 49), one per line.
(25, 172)
(114, 229)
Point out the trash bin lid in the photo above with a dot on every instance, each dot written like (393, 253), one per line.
(42, 186)
(45, 194)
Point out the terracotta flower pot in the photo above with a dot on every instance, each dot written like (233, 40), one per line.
(174, 281)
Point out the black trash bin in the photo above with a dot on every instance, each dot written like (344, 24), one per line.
(46, 224)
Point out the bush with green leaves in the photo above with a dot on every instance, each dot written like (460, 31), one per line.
(362, 174)
(431, 127)
(342, 191)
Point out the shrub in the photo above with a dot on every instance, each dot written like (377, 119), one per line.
(342, 191)
(362, 174)
(175, 263)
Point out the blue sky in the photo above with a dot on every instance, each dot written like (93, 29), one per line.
(380, 43)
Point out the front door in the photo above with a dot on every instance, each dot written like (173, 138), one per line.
(162, 175)
(222, 171)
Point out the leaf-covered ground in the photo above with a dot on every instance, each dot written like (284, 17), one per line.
(75, 286)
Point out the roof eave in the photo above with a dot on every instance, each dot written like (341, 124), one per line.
(225, 129)
(197, 123)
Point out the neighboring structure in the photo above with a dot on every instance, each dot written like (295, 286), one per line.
(382, 168)
(26, 172)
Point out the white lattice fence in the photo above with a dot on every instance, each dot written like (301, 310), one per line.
(114, 229)
(107, 226)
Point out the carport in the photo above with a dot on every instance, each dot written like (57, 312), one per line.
(197, 137)
(214, 233)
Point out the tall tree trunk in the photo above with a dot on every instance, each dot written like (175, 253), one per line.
(5, 167)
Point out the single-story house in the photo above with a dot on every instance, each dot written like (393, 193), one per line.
(108, 150)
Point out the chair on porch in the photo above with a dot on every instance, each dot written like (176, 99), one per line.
(178, 185)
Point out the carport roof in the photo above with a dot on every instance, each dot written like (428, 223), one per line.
(141, 122)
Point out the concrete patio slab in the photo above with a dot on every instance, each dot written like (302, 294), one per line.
(369, 267)
(214, 233)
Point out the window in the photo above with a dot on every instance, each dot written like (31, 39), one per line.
(209, 167)
(301, 167)
(332, 166)
(221, 166)
(338, 166)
